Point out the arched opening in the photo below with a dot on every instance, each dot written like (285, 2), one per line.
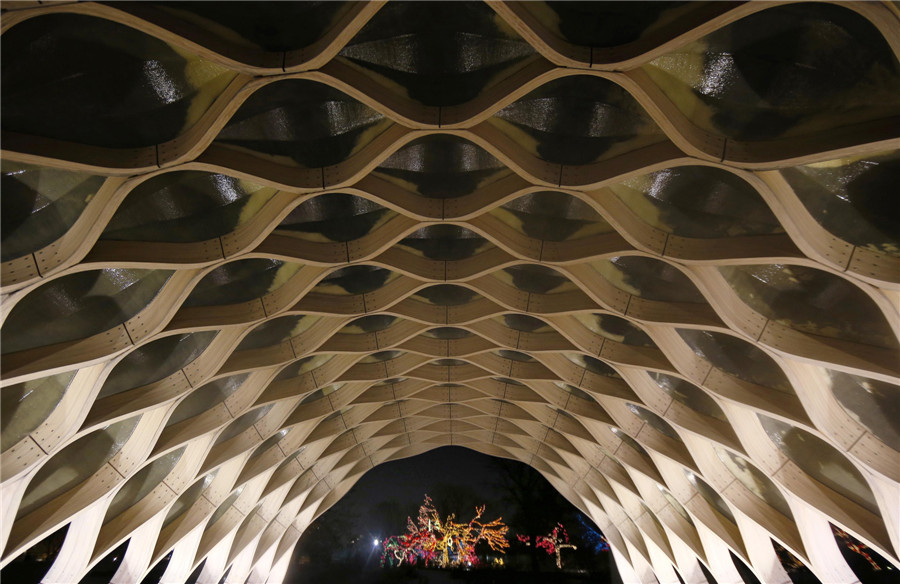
(350, 537)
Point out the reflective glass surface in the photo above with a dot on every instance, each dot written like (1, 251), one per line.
(577, 120)
(79, 305)
(851, 198)
(441, 167)
(699, 202)
(439, 53)
(92, 81)
(75, 463)
(812, 301)
(39, 204)
(784, 71)
(185, 206)
(26, 405)
(821, 461)
(303, 123)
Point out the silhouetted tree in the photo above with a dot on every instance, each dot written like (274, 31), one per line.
(457, 499)
(536, 506)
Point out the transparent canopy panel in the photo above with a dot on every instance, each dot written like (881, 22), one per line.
(821, 461)
(384, 356)
(874, 404)
(444, 362)
(593, 365)
(524, 323)
(437, 53)
(675, 504)
(577, 120)
(301, 123)
(334, 217)
(754, 480)
(655, 422)
(185, 206)
(615, 329)
(577, 392)
(446, 295)
(355, 280)
(655, 520)
(369, 324)
(812, 301)
(113, 86)
(206, 397)
(445, 242)
(515, 356)
(275, 331)
(75, 463)
(39, 205)
(142, 483)
(389, 381)
(851, 198)
(269, 26)
(738, 358)
(536, 279)
(312, 396)
(241, 281)
(552, 216)
(649, 278)
(786, 71)
(188, 497)
(269, 442)
(154, 361)
(689, 395)
(242, 423)
(604, 24)
(303, 365)
(440, 166)
(79, 305)
(632, 443)
(698, 202)
(710, 494)
(24, 406)
(224, 507)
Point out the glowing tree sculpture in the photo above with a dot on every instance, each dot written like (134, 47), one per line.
(444, 542)
(461, 538)
(856, 546)
(554, 543)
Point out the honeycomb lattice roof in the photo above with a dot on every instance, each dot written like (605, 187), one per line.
(252, 250)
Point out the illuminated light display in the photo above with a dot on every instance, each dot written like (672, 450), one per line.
(858, 547)
(592, 537)
(553, 543)
(444, 543)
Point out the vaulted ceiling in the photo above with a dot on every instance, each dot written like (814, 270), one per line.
(252, 250)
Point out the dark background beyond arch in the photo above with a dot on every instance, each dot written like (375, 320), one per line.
(340, 543)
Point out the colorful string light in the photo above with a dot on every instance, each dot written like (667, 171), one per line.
(445, 543)
(553, 543)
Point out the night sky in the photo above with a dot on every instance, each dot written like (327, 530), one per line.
(407, 481)
(340, 545)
